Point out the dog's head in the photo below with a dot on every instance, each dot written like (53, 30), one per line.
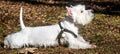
(79, 14)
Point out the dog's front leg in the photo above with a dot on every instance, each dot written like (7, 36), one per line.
(75, 43)
(80, 38)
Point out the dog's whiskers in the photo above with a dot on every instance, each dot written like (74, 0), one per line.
(46, 36)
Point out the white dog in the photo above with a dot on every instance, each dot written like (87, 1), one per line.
(59, 34)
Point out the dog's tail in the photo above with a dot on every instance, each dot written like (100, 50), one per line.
(21, 20)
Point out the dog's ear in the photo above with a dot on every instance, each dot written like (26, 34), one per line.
(69, 11)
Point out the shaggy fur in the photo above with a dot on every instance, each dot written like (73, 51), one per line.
(46, 35)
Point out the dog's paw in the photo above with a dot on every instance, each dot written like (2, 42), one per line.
(93, 46)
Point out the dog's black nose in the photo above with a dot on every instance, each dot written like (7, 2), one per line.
(92, 11)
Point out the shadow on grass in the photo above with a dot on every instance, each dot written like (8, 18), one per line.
(111, 8)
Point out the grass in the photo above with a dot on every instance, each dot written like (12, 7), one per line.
(104, 30)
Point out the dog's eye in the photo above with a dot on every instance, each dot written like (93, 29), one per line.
(81, 11)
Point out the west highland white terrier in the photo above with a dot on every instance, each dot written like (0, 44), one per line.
(64, 32)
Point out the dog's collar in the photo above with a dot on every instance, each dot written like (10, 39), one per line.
(62, 31)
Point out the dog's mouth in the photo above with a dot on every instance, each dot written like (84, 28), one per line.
(91, 14)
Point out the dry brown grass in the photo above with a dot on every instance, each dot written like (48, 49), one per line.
(104, 30)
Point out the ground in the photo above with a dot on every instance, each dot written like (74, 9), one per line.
(104, 30)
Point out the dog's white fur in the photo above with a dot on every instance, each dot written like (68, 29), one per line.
(46, 35)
